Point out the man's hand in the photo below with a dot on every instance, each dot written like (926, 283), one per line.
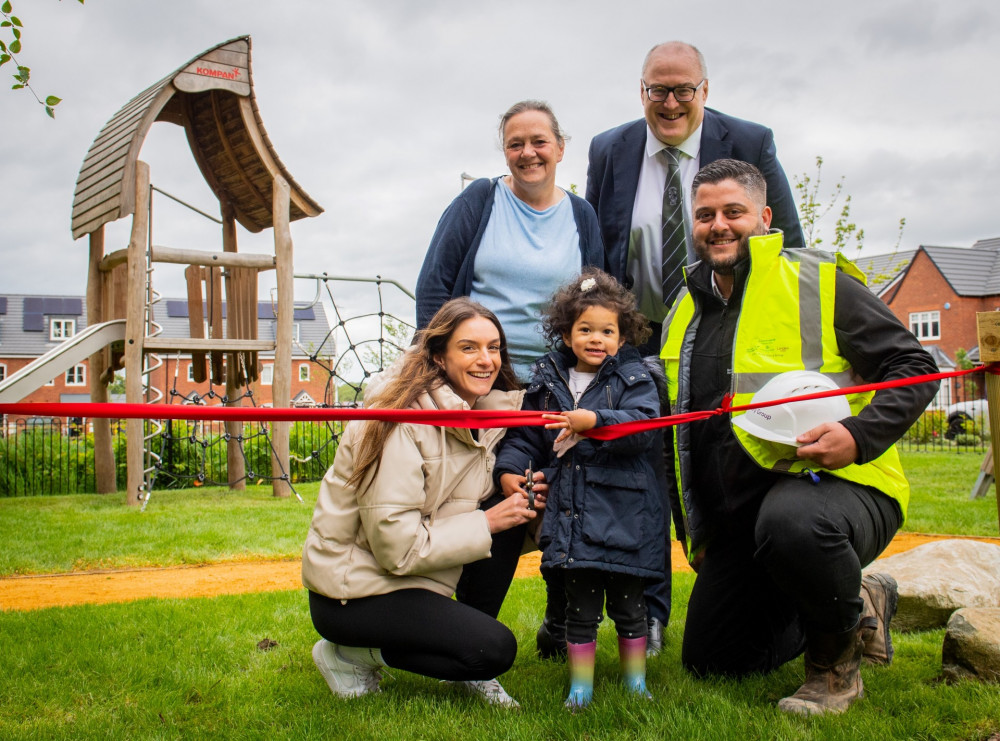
(830, 445)
(511, 512)
(577, 420)
(511, 483)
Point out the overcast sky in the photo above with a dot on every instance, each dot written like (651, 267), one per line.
(376, 108)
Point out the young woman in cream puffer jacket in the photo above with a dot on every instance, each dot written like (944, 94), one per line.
(419, 521)
(403, 512)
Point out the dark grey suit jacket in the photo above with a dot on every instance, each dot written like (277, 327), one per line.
(613, 177)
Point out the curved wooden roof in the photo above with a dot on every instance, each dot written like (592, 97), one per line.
(212, 98)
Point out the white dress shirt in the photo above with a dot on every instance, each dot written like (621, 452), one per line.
(645, 248)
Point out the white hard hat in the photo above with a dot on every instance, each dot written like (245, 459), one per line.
(784, 422)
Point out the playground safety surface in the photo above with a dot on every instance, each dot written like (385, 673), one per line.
(208, 580)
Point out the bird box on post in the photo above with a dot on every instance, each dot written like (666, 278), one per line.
(988, 329)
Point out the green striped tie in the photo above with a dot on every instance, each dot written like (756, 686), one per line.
(673, 231)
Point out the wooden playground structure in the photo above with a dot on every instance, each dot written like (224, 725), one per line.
(212, 97)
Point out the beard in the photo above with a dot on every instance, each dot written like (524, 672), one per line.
(725, 265)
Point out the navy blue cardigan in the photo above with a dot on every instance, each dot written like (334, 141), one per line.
(447, 269)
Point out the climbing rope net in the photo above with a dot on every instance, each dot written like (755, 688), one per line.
(358, 344)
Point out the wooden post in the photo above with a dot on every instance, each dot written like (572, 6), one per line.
(984, 481)
(281, 388)
(104, 454)
(235, 462)
(988, 326)
(135, 333)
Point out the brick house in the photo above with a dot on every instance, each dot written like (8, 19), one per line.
(936, 292)
(31, 325)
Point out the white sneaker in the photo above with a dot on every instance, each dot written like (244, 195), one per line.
(344, 678)
(489, 690)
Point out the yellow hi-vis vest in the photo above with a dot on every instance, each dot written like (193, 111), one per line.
(785, 324)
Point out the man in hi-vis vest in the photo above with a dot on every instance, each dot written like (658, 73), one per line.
(779, 531)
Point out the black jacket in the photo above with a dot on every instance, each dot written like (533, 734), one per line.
(727, 483)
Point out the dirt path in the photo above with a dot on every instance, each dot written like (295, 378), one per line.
(98, 587)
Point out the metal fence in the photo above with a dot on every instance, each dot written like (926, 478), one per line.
(50, 456)
(43, 455)
(957, 420)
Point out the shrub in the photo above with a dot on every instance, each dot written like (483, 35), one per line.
(930, 427)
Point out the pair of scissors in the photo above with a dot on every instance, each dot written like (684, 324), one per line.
(529, 485)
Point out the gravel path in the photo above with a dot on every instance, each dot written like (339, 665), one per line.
(208, 580)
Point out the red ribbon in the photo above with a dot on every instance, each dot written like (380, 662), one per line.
(476, 418)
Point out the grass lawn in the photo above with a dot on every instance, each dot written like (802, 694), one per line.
(166, 669)
(186, 526)
(939, 501)
(63, 533)
(172, 669)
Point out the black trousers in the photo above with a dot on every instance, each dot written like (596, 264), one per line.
(419, 631)
(796, 569)
(586, 590)
(484, 584)
(658, 591)
(427, 633)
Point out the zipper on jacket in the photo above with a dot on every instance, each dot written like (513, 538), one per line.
(592, 384)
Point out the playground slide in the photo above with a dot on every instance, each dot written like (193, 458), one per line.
(60, 359)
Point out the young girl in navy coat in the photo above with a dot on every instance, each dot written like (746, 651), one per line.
(603, 518)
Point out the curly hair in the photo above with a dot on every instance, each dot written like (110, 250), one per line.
(573, 299)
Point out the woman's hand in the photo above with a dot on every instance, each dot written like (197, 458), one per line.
(511, 483)
(577, 420)
(511, 512)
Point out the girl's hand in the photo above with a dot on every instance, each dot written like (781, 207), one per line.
(511, 483)
(511, 512)
(577, 420)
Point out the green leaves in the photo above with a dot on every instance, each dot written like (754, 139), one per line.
(13, 46)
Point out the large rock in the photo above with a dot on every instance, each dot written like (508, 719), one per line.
(972, 645)
(938, 578)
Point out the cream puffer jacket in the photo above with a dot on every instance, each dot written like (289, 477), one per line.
(418, 520)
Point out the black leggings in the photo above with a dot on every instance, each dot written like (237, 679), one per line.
(419, 631)
(484, 584)
(586, 590)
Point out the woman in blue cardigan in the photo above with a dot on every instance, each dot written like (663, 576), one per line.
(511, 241)
(508, 243)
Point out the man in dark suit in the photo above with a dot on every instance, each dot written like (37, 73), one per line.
(632, 170)
(625, 177)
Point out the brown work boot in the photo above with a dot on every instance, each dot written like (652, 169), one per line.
(880, 595)
(833, 676)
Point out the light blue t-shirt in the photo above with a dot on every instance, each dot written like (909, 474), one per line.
(524, 256)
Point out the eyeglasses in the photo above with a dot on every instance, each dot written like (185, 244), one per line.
(682, 93)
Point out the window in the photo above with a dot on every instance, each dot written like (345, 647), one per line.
(76, 376)
(267, 374)
(62, 329)
(304, 372)
(295, 332)
(190, 375)
(926, 325)
(3, 371)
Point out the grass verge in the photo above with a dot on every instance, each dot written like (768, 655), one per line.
(166, 669)
(57, 534)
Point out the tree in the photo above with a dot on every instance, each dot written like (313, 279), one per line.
(11, 47)
(813, 207)
(394, 338)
